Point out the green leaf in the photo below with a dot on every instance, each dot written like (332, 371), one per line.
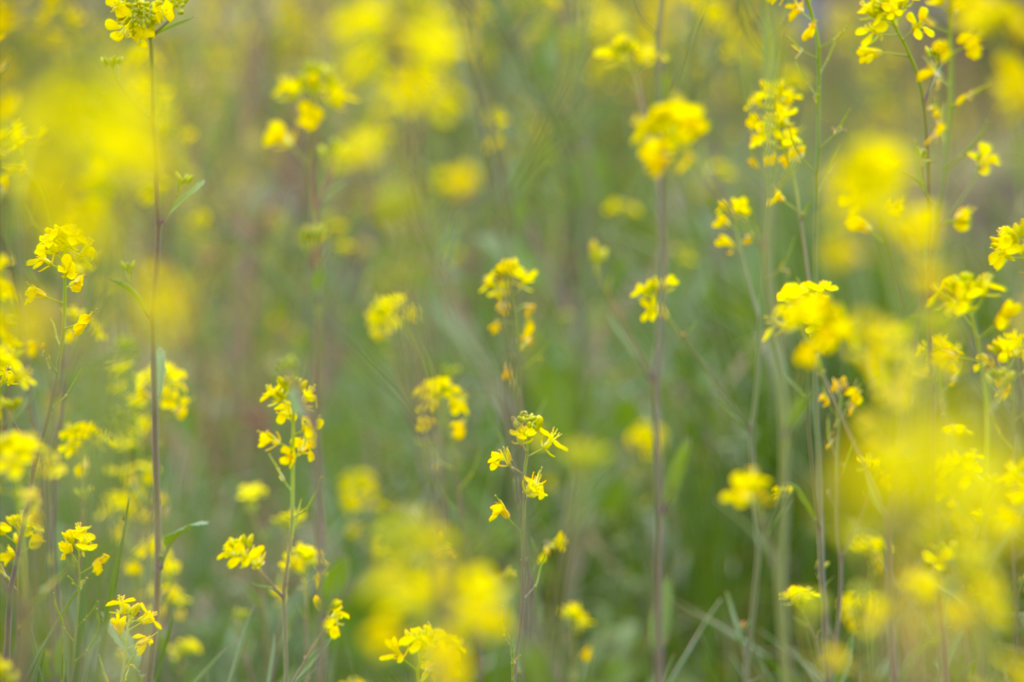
(675, 474)
(174, 535)
(130, 289)
(184, 195)
(173, 24)
(161, 372)
(800, 495)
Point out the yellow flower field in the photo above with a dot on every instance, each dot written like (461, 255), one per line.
(568, 340)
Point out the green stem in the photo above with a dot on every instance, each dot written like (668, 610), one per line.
(158, 559)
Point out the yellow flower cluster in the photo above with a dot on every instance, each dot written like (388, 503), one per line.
(747, 486)
(128, 615)
(528, 432)
(842, 391)
(559, 543)
(77, 538)
(18, 451)
(440, 655)
(428, 395)
(625, 50)
(808, 308)
(961, 294)
(140, 19)
(574, 612)
(501, 284)
(770, 112)
(666, 132)
(68, 249)
(286, 397)
(174, 397)
(314, 87)
(241, 552)
(387, 314)
(336, 617)
(1007, 245)
(726, 210)
(10, 528)
(648, 293)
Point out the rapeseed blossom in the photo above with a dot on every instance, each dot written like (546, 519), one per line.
(625, 50)
(747, 486)
(429, 394)
(77, 538)
(335, 619)
(294, 402)
(961, 294)
(241, 552)
(576, 614)
(984, 157)
(140, 19)
(1007, 245)
(69, 250)
(808, 308)
(770, 113)
(388, 313)
(666, 132)
(648, 292)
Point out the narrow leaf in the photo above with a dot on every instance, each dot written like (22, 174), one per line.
(172, 536)
(185, 195)
(130, 289)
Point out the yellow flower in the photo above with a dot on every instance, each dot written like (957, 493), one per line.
(499, 458)
(625, 50)
(308, 116)
(533, 486)
(800, 596)
(962, 218)
(559, 543)
(984, 158)
(277, 136)
(1009, 310)
(78, 538)
(387, 314)
(1007, 245)
(503, 281)
(429, 394)
(250, 493)
(810, 31)
(98, 563)
(498, 509)
(664, 134)
(335, 619)
(770, 113)
(458, 180)
(648, 293)
(241, 552)
(921, 24)
(961, 294)
(574, 612)
(747, 486)
(971, 44)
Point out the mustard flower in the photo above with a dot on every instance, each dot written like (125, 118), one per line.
(140, 19)
(1009, 310)
(287, 396)
(358, 489)
(770, 113)
(502, 282)
(666, 132)
(66, 248)
(458, 180)
(984, 157)
(499, 458)
(78, 538)
(971, 43)
(499, 509)
(429, 394)
(240, 552)
(98, 563)
(18, 450)
(388, 313)
(638, 437)
(529, 432)
(747, 486)
(921, 24)
(533, 486)
(174, 397)
(559, 543)
(1007, 245)
(962, 218)
(800, 596)
(335, 619)
(308, 115)
(625, 50)
(303, 557)
(615, 205)
(946, 356)
(808, 308)
(648, 293)
(962, 293)
(250, 493)
(573, 611)
(277, 136)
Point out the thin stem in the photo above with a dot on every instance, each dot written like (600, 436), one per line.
(158, 559)
(657, 464)
(755, 591)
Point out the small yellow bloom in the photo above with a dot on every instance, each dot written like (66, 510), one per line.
(984, 157)
(308, 115)
(277, 136)
(776, 198)
(98, 562)
(335, 619)
(499, 458)
(810, 31)
(498, 509)
(971, 44)
(747, 486)
(1009, 310)
(78, 538)
(533, 486)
